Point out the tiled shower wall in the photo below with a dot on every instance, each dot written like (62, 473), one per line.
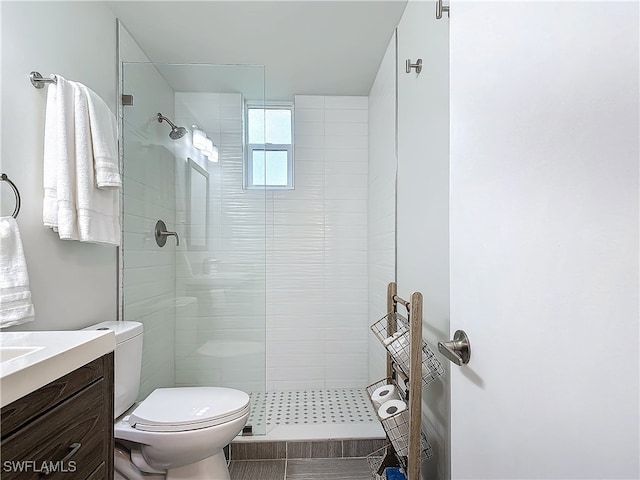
(220, 315)
(317, 252)
(382, 200)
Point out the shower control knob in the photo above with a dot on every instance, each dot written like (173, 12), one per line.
(161, 234)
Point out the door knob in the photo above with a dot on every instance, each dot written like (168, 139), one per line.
(457, 350)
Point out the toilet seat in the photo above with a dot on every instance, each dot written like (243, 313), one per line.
(182, 409)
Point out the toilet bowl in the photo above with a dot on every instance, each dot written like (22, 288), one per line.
(175, 433)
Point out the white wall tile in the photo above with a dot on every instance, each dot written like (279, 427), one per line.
(381, 202)
(346, 141)
(347, 102)
(309, 101)
(360, 116)
(309, 115)
(309, 128)
(312, 225)
(346, 129)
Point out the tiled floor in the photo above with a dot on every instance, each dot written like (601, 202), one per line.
(311, 407)
(288, 458)
(301, 469)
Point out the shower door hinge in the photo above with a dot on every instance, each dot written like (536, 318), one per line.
(440, 8)
(127, 100)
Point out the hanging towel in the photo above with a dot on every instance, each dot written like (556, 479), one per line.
(98, 215)
(15, 296)
(104, 139)
(81, 175)
(59, 210)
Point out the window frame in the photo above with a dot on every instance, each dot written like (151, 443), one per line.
(265, 147)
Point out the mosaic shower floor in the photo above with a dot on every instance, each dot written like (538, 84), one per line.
(311, 407)
(313, 415)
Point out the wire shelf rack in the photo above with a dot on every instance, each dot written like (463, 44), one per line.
(398, 346)
(379, 457)
(397, 427)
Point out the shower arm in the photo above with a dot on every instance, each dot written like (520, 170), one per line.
(162, 117)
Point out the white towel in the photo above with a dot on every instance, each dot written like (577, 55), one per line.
(15, 296)
(80, 155)
(98, 215)
(104, 139)
(59, 160)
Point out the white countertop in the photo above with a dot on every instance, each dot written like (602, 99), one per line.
(59, 353)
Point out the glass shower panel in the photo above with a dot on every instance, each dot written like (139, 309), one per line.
(202, 302)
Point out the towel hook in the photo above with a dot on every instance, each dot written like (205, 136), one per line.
(16, 210)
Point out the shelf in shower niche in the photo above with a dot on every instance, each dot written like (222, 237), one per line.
(397, 426)
(398, 343)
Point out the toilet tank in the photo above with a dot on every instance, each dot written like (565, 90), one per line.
(128, 362)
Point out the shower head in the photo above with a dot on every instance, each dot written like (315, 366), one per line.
(176, 132)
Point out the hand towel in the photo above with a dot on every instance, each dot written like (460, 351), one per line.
(98, 212)
(104, 140)
(15, 296)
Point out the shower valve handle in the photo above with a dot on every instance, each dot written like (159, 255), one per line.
(161, 234)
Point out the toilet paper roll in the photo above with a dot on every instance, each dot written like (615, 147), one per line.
(391, 408)
(384, 394)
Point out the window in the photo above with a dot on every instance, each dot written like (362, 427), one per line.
(269, 153)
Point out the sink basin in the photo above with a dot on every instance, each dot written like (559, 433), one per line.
(9, 353)
(31, 359)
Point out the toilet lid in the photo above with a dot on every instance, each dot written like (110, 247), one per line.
(189, 408)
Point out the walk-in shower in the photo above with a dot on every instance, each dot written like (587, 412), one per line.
(266, 291)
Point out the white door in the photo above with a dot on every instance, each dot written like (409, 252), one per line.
(544, 239)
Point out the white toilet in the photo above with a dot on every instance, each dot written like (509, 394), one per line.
(175, 433)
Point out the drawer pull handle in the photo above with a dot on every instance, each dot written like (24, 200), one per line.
(74, 447)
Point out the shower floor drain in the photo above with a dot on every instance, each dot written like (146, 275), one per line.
(311, 406)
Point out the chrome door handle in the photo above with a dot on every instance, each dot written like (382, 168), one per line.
(161, 234)
(458, 350)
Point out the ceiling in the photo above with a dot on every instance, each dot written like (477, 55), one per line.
(306, 47)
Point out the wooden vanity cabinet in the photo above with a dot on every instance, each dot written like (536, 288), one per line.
(64, 430)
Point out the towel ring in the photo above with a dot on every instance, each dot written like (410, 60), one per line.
(16, 210)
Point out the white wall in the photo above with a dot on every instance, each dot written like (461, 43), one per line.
(317, 252)
(544, 239)
(423, 201)
(73, 284)
(381, 208)
(148, 271)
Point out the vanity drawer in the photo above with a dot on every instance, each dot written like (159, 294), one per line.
(23, 410)
(99, 473)
(79, 419)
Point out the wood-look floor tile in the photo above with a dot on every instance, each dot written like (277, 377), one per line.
(328, 469)
(258, 450)
(257, 469)
(362, 447)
